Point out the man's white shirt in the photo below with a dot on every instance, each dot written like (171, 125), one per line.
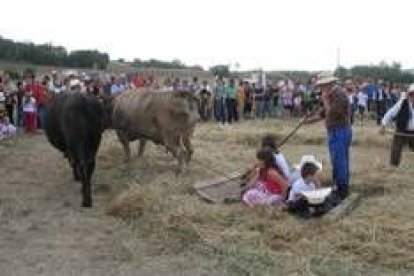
(392, 113)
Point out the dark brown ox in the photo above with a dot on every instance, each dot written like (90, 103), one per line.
(166, 118)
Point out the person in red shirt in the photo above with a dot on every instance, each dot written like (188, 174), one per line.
(40, 94)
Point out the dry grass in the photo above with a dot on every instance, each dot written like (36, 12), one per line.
(377, 238)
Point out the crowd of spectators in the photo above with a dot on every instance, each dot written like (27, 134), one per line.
(224, 100)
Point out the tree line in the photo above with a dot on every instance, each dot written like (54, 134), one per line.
(391, 73)
(47, 54)
(160, 64)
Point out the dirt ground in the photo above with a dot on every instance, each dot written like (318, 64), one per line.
(43, 230)
(160, 227)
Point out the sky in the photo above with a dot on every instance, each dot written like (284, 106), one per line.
(267, 34)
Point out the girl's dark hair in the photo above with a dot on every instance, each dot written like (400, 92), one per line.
(308, 169)
(266, 154)
(269, 140)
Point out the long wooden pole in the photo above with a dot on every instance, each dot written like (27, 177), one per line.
(400, 134)
(287, 137)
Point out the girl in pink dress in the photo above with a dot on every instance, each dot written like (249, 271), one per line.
(268, 186)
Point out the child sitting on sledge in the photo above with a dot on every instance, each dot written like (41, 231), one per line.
(268, 185)
(297, 203)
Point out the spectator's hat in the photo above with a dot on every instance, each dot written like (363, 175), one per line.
(308, 159)
(74, 82)
(2, 97)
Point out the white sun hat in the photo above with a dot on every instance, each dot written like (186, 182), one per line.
(308, 159)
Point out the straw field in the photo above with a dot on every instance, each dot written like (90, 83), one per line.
(147, 221)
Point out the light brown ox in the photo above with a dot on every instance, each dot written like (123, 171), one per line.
(166, 118)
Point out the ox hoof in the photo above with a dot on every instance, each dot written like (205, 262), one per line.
(76, 178)
(87, 204)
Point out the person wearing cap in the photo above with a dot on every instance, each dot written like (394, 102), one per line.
(336, 113)
(403, 113)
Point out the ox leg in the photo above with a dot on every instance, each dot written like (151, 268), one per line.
(141, 148)
(173, 144)
(123, 138)
(87, 171)
(76, 173)
(75, 168)
(188, 146)
(180, 153)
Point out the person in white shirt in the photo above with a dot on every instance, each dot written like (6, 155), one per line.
(403, 113)
(308, 181)
(362, 102)
(6, 128)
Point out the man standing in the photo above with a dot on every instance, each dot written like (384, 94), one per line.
(370, 89)
(194, 87)
(231, 102)
(41, 95)
(403, 113)
(117, 86)
(336, 112)
(219, 101)
(381, 101)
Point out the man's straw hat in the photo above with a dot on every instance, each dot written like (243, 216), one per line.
(326, 80)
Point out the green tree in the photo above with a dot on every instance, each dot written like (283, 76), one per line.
(220, 70)
(341, 72)
(47, 54)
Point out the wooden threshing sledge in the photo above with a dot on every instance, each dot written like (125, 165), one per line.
(228, 189)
